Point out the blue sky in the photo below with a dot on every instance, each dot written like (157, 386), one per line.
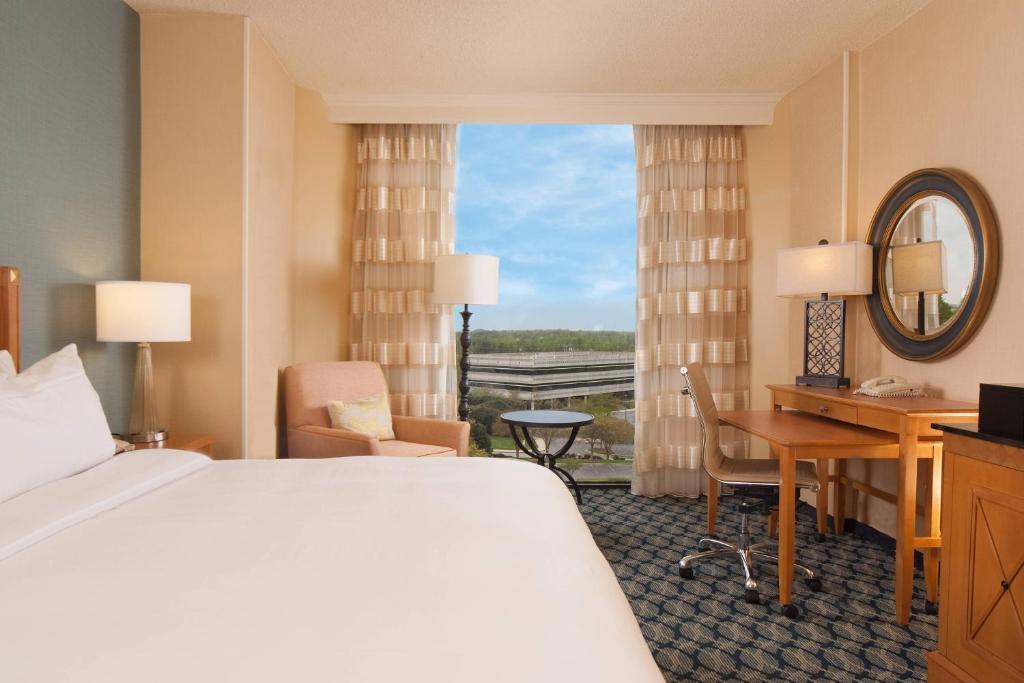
(557, 204)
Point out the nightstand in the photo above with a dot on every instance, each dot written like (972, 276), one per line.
(200, 443)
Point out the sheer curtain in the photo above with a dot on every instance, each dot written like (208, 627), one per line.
(691, 297)
(404, 219)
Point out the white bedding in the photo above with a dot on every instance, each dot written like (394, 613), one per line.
(163, 566)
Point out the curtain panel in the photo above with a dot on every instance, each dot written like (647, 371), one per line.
(691, 297)
(405, 218)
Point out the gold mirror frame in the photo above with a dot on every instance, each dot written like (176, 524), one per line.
(974, 206)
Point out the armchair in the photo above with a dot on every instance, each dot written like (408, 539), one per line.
(309, 386)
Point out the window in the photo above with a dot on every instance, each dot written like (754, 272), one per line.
(557, 204)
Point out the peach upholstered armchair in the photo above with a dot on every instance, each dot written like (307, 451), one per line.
(309, 386)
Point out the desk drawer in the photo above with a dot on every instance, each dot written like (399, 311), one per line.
(817, 406)
(879, 419)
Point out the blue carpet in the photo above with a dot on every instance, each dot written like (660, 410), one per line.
(702, 630)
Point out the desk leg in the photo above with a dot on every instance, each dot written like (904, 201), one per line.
(712, 504)
(906, 520)
(821, 499)
(934, 514)
(839, 497)
(787, 527)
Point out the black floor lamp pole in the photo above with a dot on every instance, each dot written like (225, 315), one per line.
(464, 366)
(920, 312)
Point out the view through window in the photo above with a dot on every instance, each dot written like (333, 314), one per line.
(557, 204)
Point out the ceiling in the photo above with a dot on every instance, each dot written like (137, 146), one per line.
(358, 48)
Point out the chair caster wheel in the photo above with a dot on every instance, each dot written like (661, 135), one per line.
(686, 572)
(790, 611)
(752, 596)
(814, 584)
(931, 607)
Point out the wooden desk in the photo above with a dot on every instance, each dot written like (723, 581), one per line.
(891, 428)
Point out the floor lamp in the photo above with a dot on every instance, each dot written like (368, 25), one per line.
(143, 312)
(464, 279)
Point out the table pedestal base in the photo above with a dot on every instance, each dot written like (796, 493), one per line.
(563, 474)
(528, 445)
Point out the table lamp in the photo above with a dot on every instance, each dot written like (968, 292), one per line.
(919, 268)
(465, 279)
(842, 269)
(143, 312)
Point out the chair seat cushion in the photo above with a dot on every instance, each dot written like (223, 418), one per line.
(761, 471)
(406, 449)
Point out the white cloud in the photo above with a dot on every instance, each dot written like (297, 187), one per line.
(557, 204)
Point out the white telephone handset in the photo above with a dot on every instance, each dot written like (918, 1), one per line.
(891, 386)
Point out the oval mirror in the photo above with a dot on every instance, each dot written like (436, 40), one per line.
(936, 255)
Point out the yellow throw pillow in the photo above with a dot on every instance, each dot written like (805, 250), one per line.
(370, 416)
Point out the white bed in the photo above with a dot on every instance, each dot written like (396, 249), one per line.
(165, 566)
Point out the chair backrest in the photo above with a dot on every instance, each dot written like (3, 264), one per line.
(696, 384)
(309, 386)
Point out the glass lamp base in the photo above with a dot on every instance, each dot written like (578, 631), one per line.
(148, 437)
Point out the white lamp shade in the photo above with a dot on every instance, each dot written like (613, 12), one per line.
(143, 311)
(466, 279)
(919, 267)
(843, 269)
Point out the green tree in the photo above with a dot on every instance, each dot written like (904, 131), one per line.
(515, 341)
(598, 404)
(946, 310)
(486, 408)
(478, 434)
(607, 431)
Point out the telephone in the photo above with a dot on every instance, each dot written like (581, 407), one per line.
(890, 387)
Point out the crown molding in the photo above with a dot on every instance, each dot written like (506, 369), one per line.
(645, 108)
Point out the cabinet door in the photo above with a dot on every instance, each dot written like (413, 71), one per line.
(986, 582)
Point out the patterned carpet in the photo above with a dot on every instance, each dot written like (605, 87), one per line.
(702, 630)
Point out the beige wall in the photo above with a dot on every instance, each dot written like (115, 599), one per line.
(218, 133)
(938, 91)
(271, 142)
(191, 220)
(914, 105)
(325, 174)
(960, 106)
(768, 184)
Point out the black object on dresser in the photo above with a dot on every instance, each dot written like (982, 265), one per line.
(1001, 410)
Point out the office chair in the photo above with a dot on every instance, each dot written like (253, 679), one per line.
(756, 482)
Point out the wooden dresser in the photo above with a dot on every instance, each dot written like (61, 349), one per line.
(981, 621)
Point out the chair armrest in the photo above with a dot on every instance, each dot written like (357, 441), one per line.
(308, 441)
(449, 433)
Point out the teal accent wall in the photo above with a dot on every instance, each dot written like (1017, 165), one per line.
(69, 174)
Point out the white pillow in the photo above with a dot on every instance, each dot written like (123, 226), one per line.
(6, 364)
(51, 424)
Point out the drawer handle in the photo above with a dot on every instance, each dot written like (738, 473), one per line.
(822, 409)
(1005, 584)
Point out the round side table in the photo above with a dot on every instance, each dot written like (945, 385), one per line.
(519, 423)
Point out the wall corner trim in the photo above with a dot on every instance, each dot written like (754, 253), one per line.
(641, 108)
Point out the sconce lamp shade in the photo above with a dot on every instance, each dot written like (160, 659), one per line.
(129, 311)
(842, 269)
(466, 279)
(919, 267)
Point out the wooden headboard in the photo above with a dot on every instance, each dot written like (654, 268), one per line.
(10, 309)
